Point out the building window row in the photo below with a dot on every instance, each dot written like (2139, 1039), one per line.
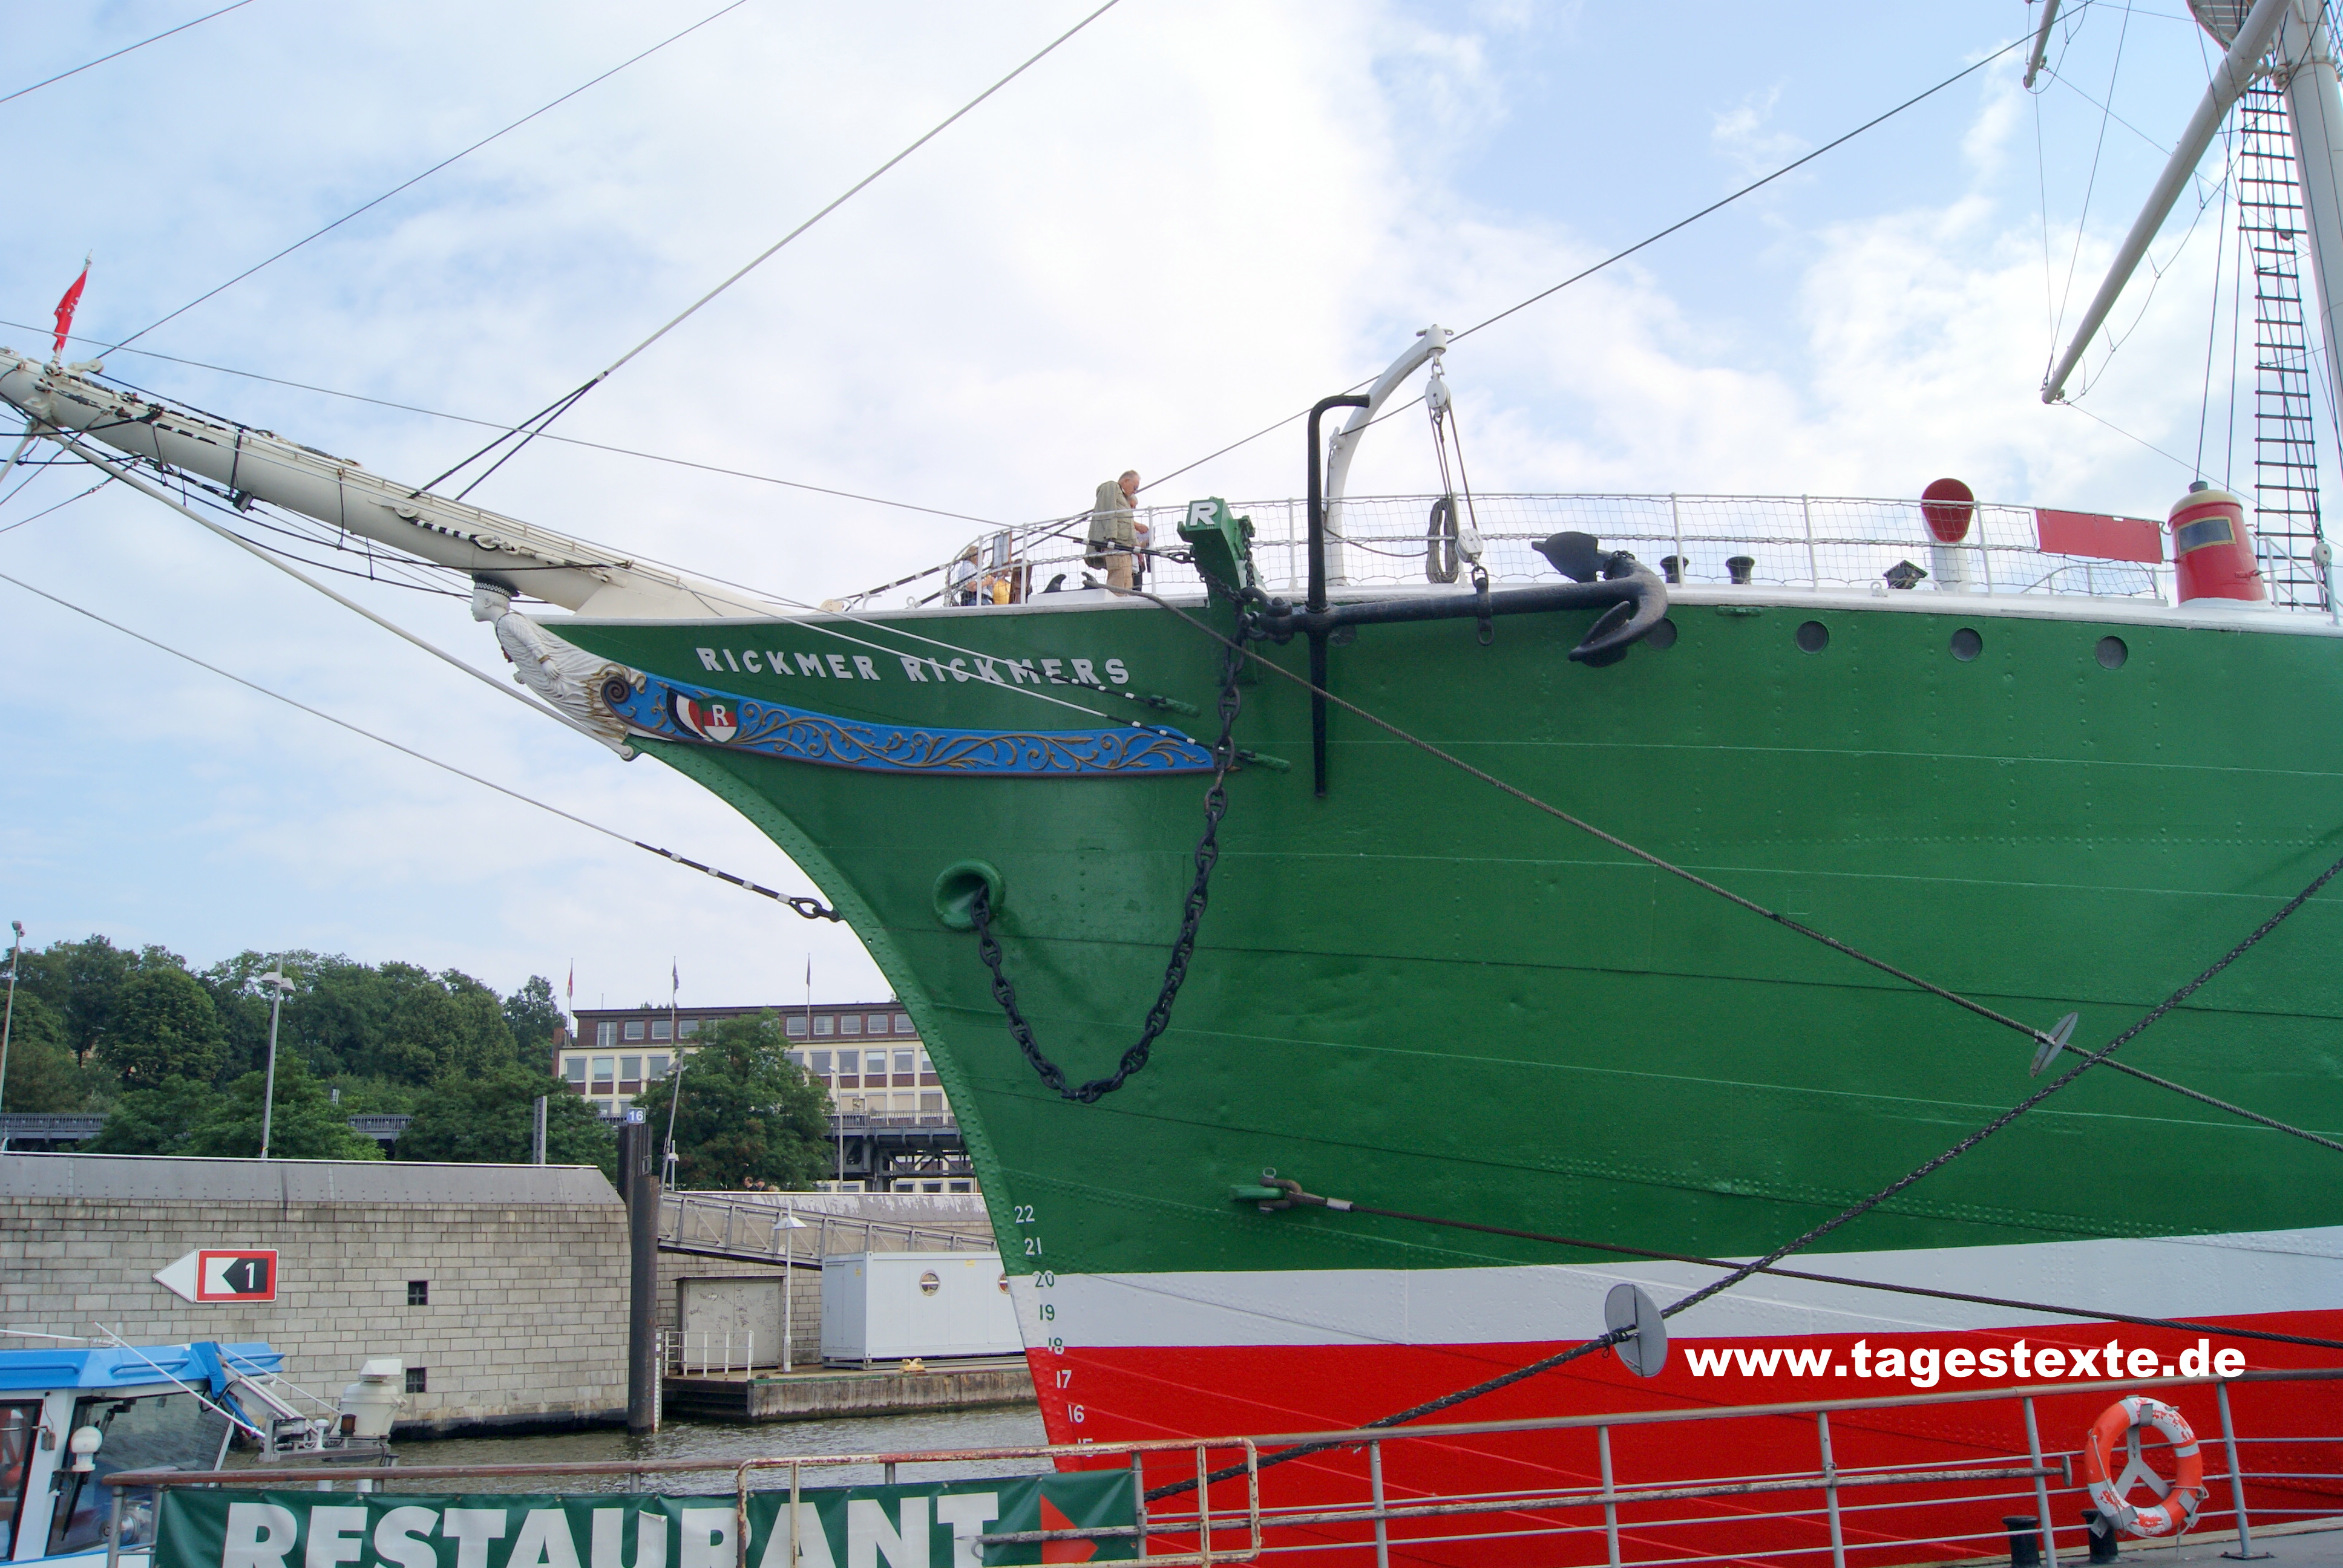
(869, 1070)
(628, 1074)
(607, 1035)
(847, 1023)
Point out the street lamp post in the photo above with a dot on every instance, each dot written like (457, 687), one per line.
(675, 1098)
(8, 1020)
(277, 987)
(787, 1222)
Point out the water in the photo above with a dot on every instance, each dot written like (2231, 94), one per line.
(725, 1444)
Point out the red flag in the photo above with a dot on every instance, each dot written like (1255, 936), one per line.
(65, 306)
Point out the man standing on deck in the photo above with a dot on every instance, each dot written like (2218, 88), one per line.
(1114, 533)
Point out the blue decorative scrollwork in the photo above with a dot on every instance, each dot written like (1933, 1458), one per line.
(667, 711)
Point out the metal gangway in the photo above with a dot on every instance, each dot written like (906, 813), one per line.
(739, 1226)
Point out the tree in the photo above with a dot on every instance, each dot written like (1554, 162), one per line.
(493, 1119)
(747, 1111)
(400, 1022)
(534, 1017)
(242, 1003)
(79, 980)
(163, 1027)
(158, 1121)
(42, 1074)
(306, 1124)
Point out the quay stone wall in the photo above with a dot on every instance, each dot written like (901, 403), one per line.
(526, 1321)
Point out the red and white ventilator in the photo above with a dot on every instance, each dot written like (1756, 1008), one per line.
(2117, 1432)
(2212, 549)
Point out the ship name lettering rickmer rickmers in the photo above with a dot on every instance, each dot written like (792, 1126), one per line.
(863, 667)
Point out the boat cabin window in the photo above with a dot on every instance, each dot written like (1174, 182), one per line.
(20, 1424)
(150, 1432)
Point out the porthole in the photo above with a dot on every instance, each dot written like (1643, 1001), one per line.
(2112, 653)
(1814, 637)
(930, 1284)
(1663, 635)
(1967, 643)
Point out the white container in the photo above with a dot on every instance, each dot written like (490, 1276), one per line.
(886, 1306)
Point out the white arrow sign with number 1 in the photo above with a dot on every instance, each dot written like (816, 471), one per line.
(212, 1275)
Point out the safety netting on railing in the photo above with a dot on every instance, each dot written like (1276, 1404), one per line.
(1821, 542)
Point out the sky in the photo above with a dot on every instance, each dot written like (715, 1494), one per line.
(1189, 221)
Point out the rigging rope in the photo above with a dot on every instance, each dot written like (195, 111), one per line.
(2052, 1043)
(2095, 1314)
(1175, 971)
(72, 442)
(1648, 240)
(1853, 1211)
(809, 908)
(2090, 184)
(142, 43)
(426, 174)
(510, 429)
(563, 405)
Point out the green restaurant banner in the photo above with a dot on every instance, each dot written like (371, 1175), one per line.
(934, 1525)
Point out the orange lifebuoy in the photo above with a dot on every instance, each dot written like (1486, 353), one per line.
(2117, 1429)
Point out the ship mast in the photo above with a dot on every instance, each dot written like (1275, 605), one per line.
(2274, 47)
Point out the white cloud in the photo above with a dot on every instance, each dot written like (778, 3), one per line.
(1192, 221)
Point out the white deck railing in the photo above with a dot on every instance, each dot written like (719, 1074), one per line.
(1808, 542)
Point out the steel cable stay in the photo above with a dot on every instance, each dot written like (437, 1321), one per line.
(569, 400)
(45, 511)
(200, 492)
(493, 424)
(1856, 1210)
(809, 908)
(1648, 240)
(2051, 1044)
(426, 174)
(1297, 1197)
(126, 49)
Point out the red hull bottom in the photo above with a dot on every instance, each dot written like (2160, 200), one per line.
(1103, 1395)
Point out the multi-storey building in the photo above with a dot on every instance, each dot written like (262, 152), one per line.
(887, 1100)
(867, 1054)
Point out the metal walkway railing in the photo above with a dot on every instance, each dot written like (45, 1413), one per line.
(721, 1224)
(1230, 1500)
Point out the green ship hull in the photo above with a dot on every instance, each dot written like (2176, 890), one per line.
(1420, 993)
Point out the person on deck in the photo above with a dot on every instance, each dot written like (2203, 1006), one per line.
(961, 578)
(1114, 533)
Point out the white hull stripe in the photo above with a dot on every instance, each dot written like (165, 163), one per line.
(2197, 1277)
